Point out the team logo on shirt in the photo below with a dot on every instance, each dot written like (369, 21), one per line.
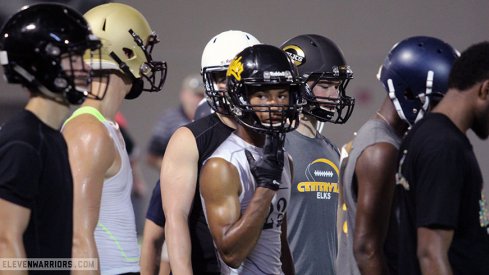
(322, 176)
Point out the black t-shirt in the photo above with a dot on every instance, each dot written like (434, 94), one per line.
(35, 174)
(442, 191)
(209, 133)
(155, 208)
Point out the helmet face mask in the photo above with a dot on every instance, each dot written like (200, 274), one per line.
(415, 83)
(127, 45)
(336, 108)
(216, 57)
(154, 72)
(47, 58)
(264, 72)
(215, 82)
(319, 59)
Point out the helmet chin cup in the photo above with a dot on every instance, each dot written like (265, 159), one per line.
(136, 89)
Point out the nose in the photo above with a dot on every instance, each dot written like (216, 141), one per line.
(221, 86)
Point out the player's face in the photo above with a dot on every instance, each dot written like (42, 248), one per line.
(74, 66)
(481, 121)
(327, 92)
(268, 104)
(220, 80)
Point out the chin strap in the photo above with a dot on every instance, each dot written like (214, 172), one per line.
(41, 88)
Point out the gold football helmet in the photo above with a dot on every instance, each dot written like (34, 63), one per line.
(127, 44)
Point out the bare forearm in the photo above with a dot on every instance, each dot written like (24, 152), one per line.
(11, 248)
(150, 257)
(179, 245)
(85, 247)
(435, 265)
(241, 238)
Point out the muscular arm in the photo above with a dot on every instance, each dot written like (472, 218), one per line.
(153, 238)
(92, 156)
(178, 183)
(375, 175)
(235, 235)
(433, 245)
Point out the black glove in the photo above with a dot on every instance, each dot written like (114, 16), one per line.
(268, 170)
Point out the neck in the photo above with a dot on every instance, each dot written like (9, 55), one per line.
(387, 112)
(250, 136)
(462, 116)
(114, 96)
(227, 120)
(50, 112)
(307, 126)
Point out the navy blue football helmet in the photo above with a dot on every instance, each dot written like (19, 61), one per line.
(415, 74)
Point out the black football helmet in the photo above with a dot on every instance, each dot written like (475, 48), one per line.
(318, 58)
(264, 67)
(33, 43)
(415, 74)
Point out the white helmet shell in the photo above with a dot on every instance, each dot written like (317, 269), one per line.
(222, 48)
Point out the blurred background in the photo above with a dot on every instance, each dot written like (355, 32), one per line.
(364, 30)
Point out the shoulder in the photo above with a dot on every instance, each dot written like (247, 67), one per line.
(25, 129)
(85, 133)
(217, 174)
(205, 124)
(377, 158)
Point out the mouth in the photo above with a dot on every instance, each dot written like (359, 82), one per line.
(273, 122)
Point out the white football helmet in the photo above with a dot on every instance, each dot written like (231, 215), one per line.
(217, 55)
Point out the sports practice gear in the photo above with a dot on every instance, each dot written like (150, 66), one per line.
(268, 170)
(217, 55)
(264, 67)
(318, 58)
(128, 43)
(35, 41)
(415, 73)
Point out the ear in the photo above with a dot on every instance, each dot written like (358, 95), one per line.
(484, 90)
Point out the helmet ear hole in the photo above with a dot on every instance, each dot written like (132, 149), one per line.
(128, 52)
(409, 95)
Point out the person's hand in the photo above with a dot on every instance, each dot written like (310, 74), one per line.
(268, 170)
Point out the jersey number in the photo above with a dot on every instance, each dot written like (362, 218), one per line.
(276, 221)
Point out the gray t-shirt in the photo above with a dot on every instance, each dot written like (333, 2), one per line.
(373, 131)
(311, 215)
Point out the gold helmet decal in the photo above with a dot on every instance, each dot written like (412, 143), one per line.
(235, 68)
(296, 54)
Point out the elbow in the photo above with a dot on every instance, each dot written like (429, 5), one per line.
(428, 255)
(232, 260)
(366, 251)
(82, 241)
(9, 241)
(232, 257)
